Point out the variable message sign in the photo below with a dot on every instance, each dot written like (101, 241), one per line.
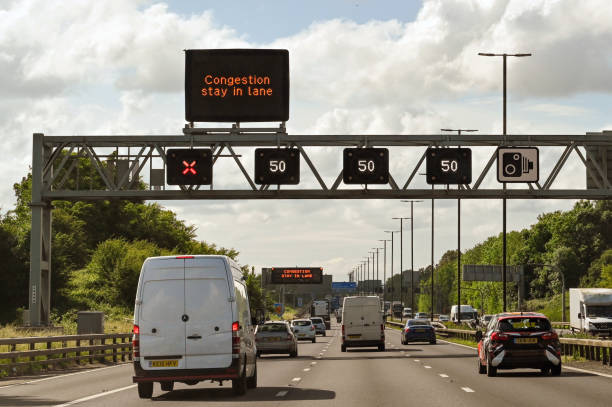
(365, 166)
(296, 275)
(277, 166)
(236, 85)
(189, 166)
(449, 166)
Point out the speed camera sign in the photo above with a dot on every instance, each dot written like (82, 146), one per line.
(518, 164)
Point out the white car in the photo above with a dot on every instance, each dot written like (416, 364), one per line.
(443, 318)
(304, 329)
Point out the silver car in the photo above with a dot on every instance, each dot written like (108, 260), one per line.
(275, 337)
(319, 324)
(304, 329)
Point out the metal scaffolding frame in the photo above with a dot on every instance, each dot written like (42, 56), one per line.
(55, 161)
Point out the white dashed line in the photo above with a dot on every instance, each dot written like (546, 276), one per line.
(416, 360)
(427, 367)
(443, 375)
(296, 379)
(407, 356)
(313, 363)
(282, 393)
(307, 369)
(467, 390)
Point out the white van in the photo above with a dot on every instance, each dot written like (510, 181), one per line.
(362, 323)
(192, 323)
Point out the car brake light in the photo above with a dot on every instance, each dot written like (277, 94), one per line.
(235, 326)
(136, 341)
(495, 336)
(550, 335)
(407, 330)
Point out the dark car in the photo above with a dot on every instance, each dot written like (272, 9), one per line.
(418, 330)
(519, 340)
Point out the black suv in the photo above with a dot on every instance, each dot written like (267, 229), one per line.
(519, 340)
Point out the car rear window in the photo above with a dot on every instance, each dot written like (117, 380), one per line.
(518, 324)
(301, 323)
(272, 328)
(413, 322)
(317, 320)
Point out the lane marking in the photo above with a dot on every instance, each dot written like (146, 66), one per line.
(586, 371)
(59, 376)
(313, 363)
(443, 375)
(95, 396)
(427, 367)
(282, 393)
(459, 344)
(407, 356)
(467, 390)
(296, 379)
(307, 369)
(416, 360)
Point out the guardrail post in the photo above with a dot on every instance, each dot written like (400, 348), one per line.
(78, 352)
(130, 349)
(114, 350)
(91, 343)
(64, 345)
(12, 370)
(123, 349)
(101, 358)
(49, 357)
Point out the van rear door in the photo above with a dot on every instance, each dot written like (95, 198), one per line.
(162, 332)
(207, 303)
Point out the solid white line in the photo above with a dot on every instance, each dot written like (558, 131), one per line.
(282, 393)
(443, 375)
(586, 371)
(95, 396)
(467, 390)
(459, 344)
(59, 376)
(427, 367)
(296, 379)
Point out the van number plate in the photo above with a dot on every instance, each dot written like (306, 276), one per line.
(163, 363)
(354, 336)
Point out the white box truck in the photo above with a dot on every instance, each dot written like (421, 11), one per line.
(362, 323)
(321, 308)
(468, 313)
(591, 310)
(192, 323)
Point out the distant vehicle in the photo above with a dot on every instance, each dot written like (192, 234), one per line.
(418, 330)
(362, 323)
(443, 318)
(467, 313)
(192, 323)
(484, 320)
(396, 309)
(387, 308)
(275, 337)
(304, 329)
(321, 308)
(319, 325)
(339, 315)
(519, 340)
(421, 315)
(591, 310)
(407, 313)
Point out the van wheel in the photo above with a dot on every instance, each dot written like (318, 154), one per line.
(258, 354)
(314, 340)
(381, 348)
(145, 390)
(167, 386)
(556, 370)
(293, 354)
(251, 382)
(239, 386)
(343, 348)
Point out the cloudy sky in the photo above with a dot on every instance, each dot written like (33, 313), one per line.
(356, 67)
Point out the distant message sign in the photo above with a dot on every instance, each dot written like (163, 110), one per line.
(296, 275)
(236, 85)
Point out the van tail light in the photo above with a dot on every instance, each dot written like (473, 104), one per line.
(136, 341)
(550, 335)
(496, 336)
(235, 339)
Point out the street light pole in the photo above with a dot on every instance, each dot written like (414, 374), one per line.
(459, 236)
(401, 219)
(411, 252)
(384, 271)
(392, 292)
(504, 55)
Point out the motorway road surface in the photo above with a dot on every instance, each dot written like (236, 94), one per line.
(416, 374)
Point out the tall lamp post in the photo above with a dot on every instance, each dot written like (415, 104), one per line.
(372, 279)
(384, 270)
(365, 285)
(401, 219)
(392, 232)
(488, 54)
(375, 278)
(411, 251)
(459, 235)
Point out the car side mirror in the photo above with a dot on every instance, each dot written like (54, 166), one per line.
(478, 336)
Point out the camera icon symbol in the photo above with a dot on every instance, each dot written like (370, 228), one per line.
(515, 165)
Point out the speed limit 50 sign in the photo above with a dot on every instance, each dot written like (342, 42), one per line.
(449, 166)
(275, 166)
(365, 166)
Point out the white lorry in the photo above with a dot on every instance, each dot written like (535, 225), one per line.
(468, 313)
(321, 308)
(591, 310)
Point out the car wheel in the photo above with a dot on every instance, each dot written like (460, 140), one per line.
(324, 333)
(251, 382)
(314, 340)
(381, 347)
(432, 342)
(482, 369)
(145, 390)
(544, 370)
(293, 353)
(556, 370)
(491, 370)
(167, 386)
(343, 348)
(258, 354)
(239, 385)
